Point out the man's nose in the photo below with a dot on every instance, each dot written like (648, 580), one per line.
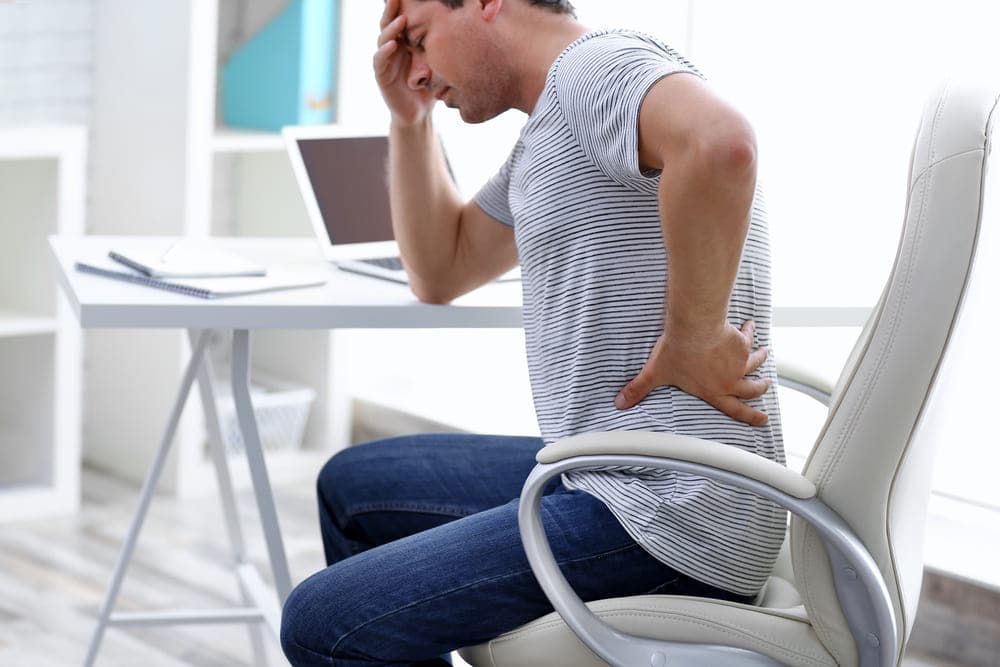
(420, 74)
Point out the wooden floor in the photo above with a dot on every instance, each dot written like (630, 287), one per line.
(53, 574)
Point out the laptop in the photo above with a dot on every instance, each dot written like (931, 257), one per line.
(342, 176)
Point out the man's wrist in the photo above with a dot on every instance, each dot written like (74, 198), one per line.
(692, 328)
(419, 126)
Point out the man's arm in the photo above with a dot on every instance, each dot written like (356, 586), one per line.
(448, 248)
(707, 154)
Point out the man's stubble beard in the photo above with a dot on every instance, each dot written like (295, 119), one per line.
(491, 94)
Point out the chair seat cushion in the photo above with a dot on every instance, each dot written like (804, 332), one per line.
(784, 634)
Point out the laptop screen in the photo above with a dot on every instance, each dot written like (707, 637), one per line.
(348, 179)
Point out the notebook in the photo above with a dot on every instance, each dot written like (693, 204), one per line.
(207, 288)
(185, 259)
(341, 174)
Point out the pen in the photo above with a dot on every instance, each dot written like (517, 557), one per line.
(163, 258)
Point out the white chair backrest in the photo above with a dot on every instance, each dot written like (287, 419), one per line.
(873, 459)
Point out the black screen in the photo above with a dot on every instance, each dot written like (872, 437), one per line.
(348, 177)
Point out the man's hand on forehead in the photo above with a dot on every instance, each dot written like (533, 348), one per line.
(392, 62)
(390, 12)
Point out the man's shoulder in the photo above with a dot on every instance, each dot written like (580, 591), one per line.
(601, 43)
(596, 54)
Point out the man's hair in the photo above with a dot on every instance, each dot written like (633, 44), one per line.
(557, 6)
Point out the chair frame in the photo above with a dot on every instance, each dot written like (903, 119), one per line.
(861, 590)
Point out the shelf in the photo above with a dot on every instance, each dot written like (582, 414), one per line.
(208, 179)
(18, 324)
(42, 141)
(230, 140)
(43, 181)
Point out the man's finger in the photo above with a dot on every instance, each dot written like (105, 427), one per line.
(748, 329)
(756, 358)
(749, 388)
(739, 410)
(383, 59)
(635, 391)
(392, 32)
(389, 13)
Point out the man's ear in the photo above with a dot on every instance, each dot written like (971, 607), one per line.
(490, 9)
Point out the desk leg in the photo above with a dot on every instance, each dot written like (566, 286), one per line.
(258, 469)
(145, 497)
(217, 451)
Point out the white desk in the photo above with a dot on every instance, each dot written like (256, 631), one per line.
(346, 301)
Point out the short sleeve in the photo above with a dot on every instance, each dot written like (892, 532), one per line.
(601, 83)
(494, 197)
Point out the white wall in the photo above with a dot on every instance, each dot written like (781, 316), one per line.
(835, 91)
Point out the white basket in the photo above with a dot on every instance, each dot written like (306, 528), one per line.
(281, 409)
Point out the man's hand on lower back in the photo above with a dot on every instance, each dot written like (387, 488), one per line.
(710, 365)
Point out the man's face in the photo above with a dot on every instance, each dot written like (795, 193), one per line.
(454, 55)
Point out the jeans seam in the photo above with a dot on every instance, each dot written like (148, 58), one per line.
(660, 587)
(327, 658)
(445, 510)
(518, 573)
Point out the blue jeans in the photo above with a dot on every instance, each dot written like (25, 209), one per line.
(421, 537)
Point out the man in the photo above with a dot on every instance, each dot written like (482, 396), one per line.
(628, 164)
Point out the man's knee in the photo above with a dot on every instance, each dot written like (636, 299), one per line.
(361, 473)
(299, 631)
(320, 620)
(333, 474)
(348, 474)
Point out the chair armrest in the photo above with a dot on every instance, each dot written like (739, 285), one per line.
(862, 592)
(805, 381)
(681, 448)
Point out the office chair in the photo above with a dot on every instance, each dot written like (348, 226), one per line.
(847, 592)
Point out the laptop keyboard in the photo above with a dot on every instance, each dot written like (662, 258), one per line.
(391, 263)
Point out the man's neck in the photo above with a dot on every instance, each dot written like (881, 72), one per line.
(537, 49)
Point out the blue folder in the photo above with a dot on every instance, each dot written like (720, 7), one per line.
(285, 74)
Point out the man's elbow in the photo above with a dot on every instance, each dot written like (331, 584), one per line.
(432, 298)
(427, 292)
(731, 153)
(740, 155)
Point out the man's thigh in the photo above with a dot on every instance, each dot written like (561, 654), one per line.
(459, 584)
(387, 489)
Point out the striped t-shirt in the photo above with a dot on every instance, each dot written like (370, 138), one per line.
(594, 271)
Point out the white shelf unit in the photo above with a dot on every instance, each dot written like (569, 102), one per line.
(163, 165)
(42, 192)
(231, 140)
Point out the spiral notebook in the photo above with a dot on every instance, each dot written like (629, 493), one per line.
(278, 278)
(182, 259)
